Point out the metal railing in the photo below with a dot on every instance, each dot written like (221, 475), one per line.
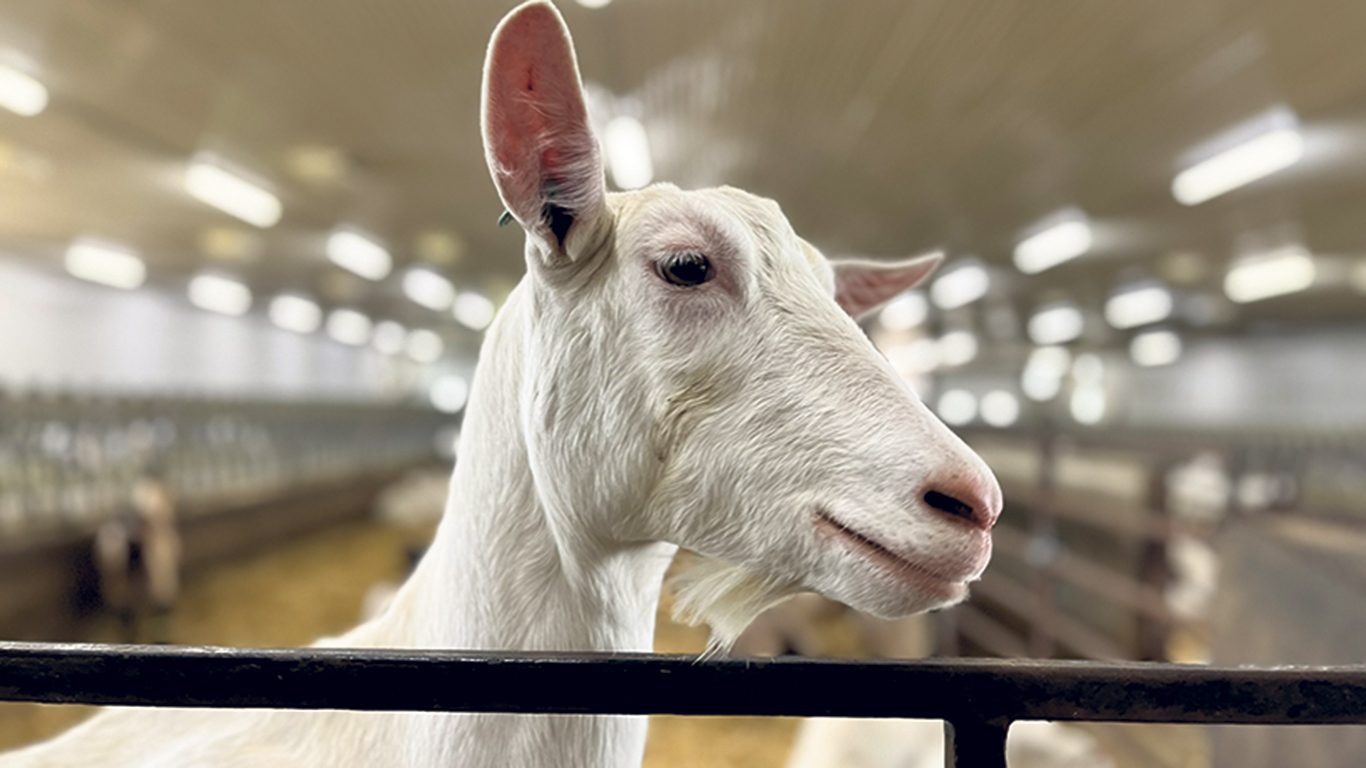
(68, 462)
(977, 699)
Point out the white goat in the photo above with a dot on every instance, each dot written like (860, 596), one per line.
(677, 368)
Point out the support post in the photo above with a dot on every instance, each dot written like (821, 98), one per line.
(1042, 622)
(973, 743)
(1154, 567)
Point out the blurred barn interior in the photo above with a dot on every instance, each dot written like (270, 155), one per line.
(248, 250)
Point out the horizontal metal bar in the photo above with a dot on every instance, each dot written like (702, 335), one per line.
(468, 681)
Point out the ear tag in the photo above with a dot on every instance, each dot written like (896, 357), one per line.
(505, 218)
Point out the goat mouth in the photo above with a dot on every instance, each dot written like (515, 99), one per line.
(917, 576)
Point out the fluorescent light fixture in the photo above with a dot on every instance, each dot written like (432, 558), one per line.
(1053, 361)
(956, 348)
(424, 346)
(449, 393)
(1088, 369)
(1137, 306)
(1088, 404)
(439, 247)
(957, 407)
(347, 326)
(914, 358)
(390, 337)
(1233, 168)
(106, 264)
(353, 251)
(1000, 408)
(318, 164)
(960, 286)
(628, 152)
(595, 3)
(1155, 348)
(428, 289)
(1276, 273)
(1357, 277)
(1039, 386)
(1057, 324)
(295, 313)
(209, 182)
(473, 310)
(904, 312)
(223, 295)
(1042, 377)
(1061, 242)
(20, 93)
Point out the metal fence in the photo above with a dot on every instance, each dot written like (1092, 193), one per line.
(977, 699)
(68, 461)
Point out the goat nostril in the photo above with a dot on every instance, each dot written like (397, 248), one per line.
(946, 503)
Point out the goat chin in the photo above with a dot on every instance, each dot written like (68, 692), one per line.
(725, 597)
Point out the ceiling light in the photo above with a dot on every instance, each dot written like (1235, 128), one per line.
(1133, 307)
(914, 358)
(957, 407)
(628, 152)
(960, 286)
(231, 244)
(473, 310)
(106, 264)
(449, 393)
(957, 348)
(295, 313)
(424, 346)
(223, 295)
(1039, 386)
(1285, 270)
(1155, 348)
(359, 254)
(390, 337)
(1047, 249)
(595, 3)
(1053, 361)
(20, 93)
(318, 164)
(428, 289)
(347, 326)
(1042, 377)
(439, 247)
(904, 312)
(1088, 369)
(1233, 168)
(1357, 277)
(1000, 408)
(1088, 404)
(1057, 324)
(209, 182)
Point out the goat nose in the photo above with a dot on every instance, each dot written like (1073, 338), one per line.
(963, 500)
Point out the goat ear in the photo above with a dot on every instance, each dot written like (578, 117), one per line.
(862, 286)
(537, 140)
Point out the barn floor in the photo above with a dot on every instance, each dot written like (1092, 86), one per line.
(315, 586)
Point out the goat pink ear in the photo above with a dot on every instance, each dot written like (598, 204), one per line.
(862, 286)
(537, 139)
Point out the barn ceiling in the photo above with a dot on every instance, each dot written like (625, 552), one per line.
(883, 128)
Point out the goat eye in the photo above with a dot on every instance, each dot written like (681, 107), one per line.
(687, 269)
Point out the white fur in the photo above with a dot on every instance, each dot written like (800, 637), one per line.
(613, 418)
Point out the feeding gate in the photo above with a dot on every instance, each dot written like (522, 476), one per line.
(977, 699)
